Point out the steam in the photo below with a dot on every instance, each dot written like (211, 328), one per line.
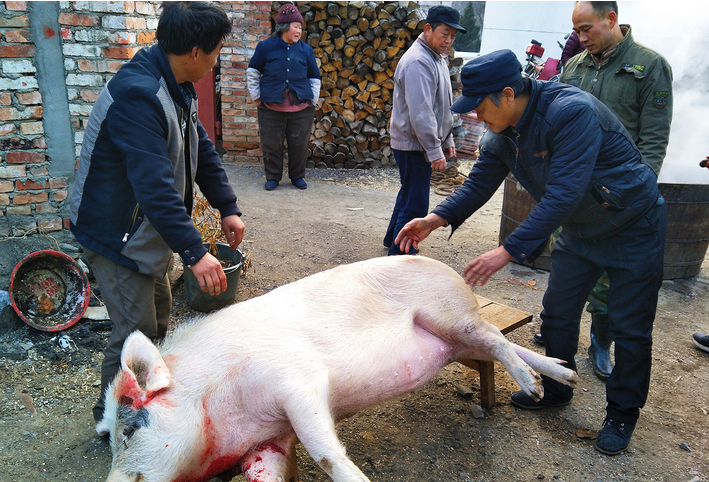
(689, 134)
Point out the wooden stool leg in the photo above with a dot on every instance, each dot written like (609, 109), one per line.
(487, 383)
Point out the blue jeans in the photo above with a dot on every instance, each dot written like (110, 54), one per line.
(633, 260)
(412, 200)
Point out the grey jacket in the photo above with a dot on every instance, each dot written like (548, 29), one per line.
(421, 119)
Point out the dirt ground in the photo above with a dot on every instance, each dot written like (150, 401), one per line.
(46, 427)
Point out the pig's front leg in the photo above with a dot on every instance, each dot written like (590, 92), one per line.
(310, 414)
(273, 461)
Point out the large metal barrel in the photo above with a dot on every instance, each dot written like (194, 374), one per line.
(687, 225)
(517, 203)
(687, 228)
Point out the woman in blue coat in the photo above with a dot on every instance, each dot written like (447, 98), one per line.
(284, 82)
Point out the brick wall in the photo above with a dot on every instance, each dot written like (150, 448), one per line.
(240, 136)
(96, 39)
(24, 177)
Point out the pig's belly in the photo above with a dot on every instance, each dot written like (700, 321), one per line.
(386, 369)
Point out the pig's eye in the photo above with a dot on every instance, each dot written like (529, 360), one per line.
(128, 432)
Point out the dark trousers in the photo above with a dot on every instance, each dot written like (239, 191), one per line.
(294, 127)
(134, 301)
(633, 260)
(412, 200)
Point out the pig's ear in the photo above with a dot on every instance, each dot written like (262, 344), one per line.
(143, 360)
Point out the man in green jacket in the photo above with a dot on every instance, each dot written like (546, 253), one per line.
(635, 83)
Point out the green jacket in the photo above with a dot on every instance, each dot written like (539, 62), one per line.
(635, 83)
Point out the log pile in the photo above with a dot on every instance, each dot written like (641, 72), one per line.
(357, 45)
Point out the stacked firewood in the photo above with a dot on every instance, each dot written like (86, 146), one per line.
(357, 45)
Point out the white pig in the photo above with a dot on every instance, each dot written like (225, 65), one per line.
(240, 387)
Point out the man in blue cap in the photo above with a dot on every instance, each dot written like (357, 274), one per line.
(580, 164)
(421, 122)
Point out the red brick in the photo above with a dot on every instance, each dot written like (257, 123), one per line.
(16, 21)
(29, 198)
(16, 6)
(119, 52)
(7, 186)
(17, 51)
(60, 196)
(77, 20)
(89, 95)
(45, 209)
(7, 129)
(17, 36)
(5, 99)
(58, 183)
(51, 225)
(146, 37)
(10, 113)
(38, 171)
(30, 185)
(133, 23)
(66, 223)
(27, 98)
(25, 210)
(66, 33)
(39, 143)
(4, 200)
(24, 157)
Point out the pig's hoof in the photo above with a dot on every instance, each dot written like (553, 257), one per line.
(522, 400)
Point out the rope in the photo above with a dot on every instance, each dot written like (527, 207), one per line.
(447, 180)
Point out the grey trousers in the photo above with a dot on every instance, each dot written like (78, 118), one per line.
(294, 127)
(134, 302)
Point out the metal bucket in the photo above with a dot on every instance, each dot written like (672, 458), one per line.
(201, 301)
(687, 225)
(49, 291)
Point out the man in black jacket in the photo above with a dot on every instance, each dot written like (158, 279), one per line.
(579, 163)
(132, 197)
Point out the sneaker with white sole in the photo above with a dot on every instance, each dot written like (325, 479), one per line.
(701, 340)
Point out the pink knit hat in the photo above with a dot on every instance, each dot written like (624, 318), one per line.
(289, 13)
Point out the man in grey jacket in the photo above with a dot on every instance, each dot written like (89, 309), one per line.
(421, 122)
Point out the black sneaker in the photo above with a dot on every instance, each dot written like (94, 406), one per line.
(614, 437)
(702, 341)
(539, 339)
(522, 400)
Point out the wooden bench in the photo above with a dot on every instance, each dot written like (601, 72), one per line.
(506, 319)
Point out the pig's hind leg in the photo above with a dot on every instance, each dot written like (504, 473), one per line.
(309, 412)
(483, 341)
(551, 367)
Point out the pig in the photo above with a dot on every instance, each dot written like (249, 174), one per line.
(238, 388)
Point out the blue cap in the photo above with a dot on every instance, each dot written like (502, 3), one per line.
(485, 75)
(448, 15)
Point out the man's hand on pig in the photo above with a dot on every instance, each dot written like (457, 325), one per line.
(209, 274)
(479, 270)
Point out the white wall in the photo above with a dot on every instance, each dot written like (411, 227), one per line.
(512, 25)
